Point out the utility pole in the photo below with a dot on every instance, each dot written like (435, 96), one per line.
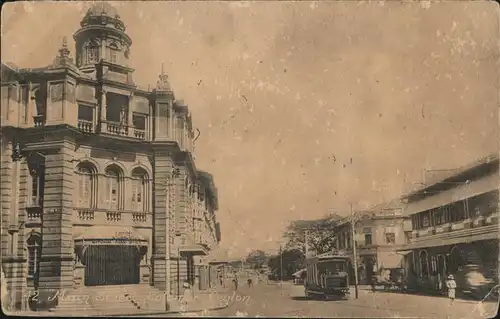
(306, 242)
(281, 265)
(355, 254)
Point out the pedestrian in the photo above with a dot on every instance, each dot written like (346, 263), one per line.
(235, 282)
(5, 300)
(187, 297)
(451, 285)
(249, 282)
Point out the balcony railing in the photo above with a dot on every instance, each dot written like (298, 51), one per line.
(84, 214)
(443, 228)
(140, 134)
(113, 216)
(115, 128)
(85, 126)
(34, 216)
(139, 217)
(103, 216)
(39, 120)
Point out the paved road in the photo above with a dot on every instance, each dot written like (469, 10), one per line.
(288, 300)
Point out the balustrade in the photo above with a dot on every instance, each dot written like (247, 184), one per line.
(114, 216)
(140, 134)
(39, 120)
(443, 228)
(86, 215)
(116, 128)
(98, 216)
(34, 215)
(85, 126)
(139, 217)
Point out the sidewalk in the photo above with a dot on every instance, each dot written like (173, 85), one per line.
(204, 300)
(424, 306)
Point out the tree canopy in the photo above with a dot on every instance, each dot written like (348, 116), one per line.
(293, 260)
(320, 234)
(256, 259)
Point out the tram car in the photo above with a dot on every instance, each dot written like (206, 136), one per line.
(328, 276)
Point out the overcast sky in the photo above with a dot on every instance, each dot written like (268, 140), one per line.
(304, 107)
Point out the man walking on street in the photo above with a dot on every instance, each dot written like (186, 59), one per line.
(235, 282)
(451, 285)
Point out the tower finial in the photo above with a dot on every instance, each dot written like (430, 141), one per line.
(162, 83)
(64, 51)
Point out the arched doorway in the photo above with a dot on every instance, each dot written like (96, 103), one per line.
(455, 260)
(369, 269)
(112, 265)
(424, 264)
(111, 260)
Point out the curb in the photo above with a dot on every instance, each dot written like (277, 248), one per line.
(444, 298)
(169, 312)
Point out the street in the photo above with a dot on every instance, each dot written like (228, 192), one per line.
(289, 301)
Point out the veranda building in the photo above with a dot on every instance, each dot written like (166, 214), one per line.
(99, 185)
(455, 228)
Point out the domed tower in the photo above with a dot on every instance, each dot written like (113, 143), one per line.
(101, 37)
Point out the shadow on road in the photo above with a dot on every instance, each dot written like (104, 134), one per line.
(301, 298)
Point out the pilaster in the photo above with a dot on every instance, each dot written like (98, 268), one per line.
(130, 114)
(6, 186)
(103, 105)
(162, 175)
(56, 264)
(13, 218)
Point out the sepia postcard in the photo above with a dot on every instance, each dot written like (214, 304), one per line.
(250, 159)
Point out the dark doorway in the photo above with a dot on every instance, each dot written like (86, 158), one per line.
(112, 265)
(369, 270)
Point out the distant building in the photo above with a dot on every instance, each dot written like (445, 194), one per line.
(379, 233)
(99, 185)
(455, 226)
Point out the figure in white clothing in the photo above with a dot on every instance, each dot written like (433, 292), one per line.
(451, 285)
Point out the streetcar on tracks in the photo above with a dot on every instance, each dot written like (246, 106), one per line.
(328, 276)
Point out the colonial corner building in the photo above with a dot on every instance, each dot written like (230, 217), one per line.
(455, 228)
(99, 186)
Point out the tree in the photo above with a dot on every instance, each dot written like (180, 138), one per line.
(293, 260)
(321, 236)
(256, 259)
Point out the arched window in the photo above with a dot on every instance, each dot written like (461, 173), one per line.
(113, 187)
(139, 190)
(92, 53)
(87, 179)
(424, 265)
(113, 53)
(34, 245)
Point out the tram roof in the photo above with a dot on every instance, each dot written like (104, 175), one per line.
(331, 256)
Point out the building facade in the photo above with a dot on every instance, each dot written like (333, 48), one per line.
(378, 234)
(99, 185)
(455, 229)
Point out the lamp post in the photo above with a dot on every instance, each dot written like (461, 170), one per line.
(354, 252)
